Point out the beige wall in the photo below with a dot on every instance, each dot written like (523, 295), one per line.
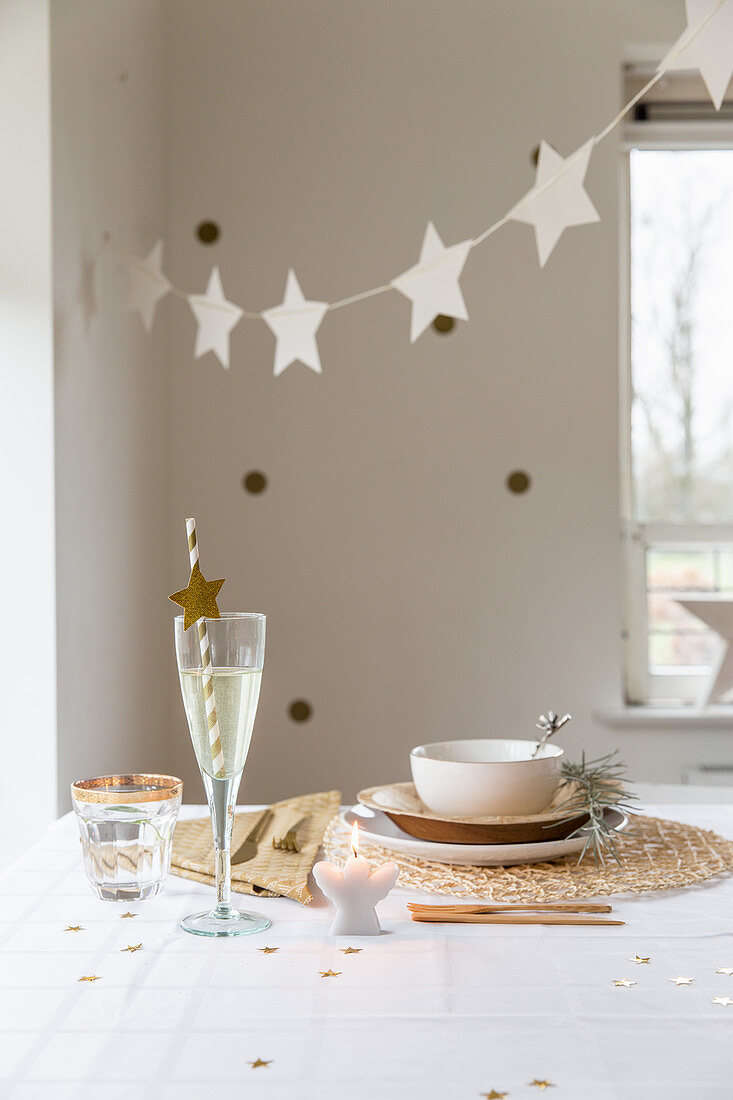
(410, 596)
(111, 391)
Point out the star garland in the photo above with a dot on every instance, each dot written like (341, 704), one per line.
(557, 201)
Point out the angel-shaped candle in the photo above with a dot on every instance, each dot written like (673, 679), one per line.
(355, 891)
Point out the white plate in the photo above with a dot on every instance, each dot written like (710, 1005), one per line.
(377, 827)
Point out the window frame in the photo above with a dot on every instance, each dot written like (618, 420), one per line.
(641, 686)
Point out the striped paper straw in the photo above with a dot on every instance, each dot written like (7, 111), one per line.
(217, 755)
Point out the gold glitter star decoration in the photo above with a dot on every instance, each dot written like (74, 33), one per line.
(329, 973)
(542, 1084)
(725, 970)
(73, 928)
(723, 1001)
(89, 978)
(350, 950)
(623, 982)
(260, 1062)
(639, 959)
(198, 599)
(132, 947)
(268, 950)
(494, 1095)
(681, 981)
(123, 915)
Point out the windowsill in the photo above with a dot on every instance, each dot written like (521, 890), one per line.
(682, 718)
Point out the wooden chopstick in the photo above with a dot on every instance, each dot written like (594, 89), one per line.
(550, 906)
(509, 918)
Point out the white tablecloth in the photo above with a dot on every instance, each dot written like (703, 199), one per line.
(421, 1013)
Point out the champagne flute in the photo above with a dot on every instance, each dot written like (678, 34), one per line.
(237, 645)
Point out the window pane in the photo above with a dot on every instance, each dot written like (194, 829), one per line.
(668, 652)
(680, 570)
(726, 571)
(677, 640)
(664, 616)
(682, 335)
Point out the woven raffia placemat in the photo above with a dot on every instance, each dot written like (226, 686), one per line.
(272, 873)
(655, 855)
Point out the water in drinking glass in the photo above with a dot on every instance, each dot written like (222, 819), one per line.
(126, 826)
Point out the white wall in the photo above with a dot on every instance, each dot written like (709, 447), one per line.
(27, 640)
(111, 390)
(410, 596)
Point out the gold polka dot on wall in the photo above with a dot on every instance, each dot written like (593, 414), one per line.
(254, 481)
(300, 711)
(443, 324)
(208, 232)
(518, 481)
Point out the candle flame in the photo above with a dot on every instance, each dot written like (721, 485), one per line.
(355, 839)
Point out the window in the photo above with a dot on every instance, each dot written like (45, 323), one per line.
(677, 426)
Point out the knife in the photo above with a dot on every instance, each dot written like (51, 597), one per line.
(248, 849)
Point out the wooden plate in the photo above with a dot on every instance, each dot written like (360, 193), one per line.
(399, 801)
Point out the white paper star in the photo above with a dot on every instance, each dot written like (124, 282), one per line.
(723, 1001)
(216, 318)
(623, 982)
(432, 284)
(561, 204)
(295, 324)
(717, 612)
(681, 981)
(709, 50)
(725, 970)
(148, 285)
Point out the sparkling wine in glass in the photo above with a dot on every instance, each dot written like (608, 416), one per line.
(237, 645)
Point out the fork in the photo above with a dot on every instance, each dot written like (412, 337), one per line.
(289, 842)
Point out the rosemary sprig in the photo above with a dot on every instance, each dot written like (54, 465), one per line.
(594, 787)
(548, 724)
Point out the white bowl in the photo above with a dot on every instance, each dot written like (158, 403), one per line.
(485, 778)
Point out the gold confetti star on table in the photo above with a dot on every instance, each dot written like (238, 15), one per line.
(123, 915)
(198, 599)
(723, 1001)
(725, 970)
(73, 928)
(639, 959)
(681, 981)
(542, 1084)
(494, 1095)
(624, 982)
(132, 947)
(89, 978)
(350, 950)
(260, 1062)
(268, 950)
(329, 973)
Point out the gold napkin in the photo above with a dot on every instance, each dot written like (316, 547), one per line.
(272, 873)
